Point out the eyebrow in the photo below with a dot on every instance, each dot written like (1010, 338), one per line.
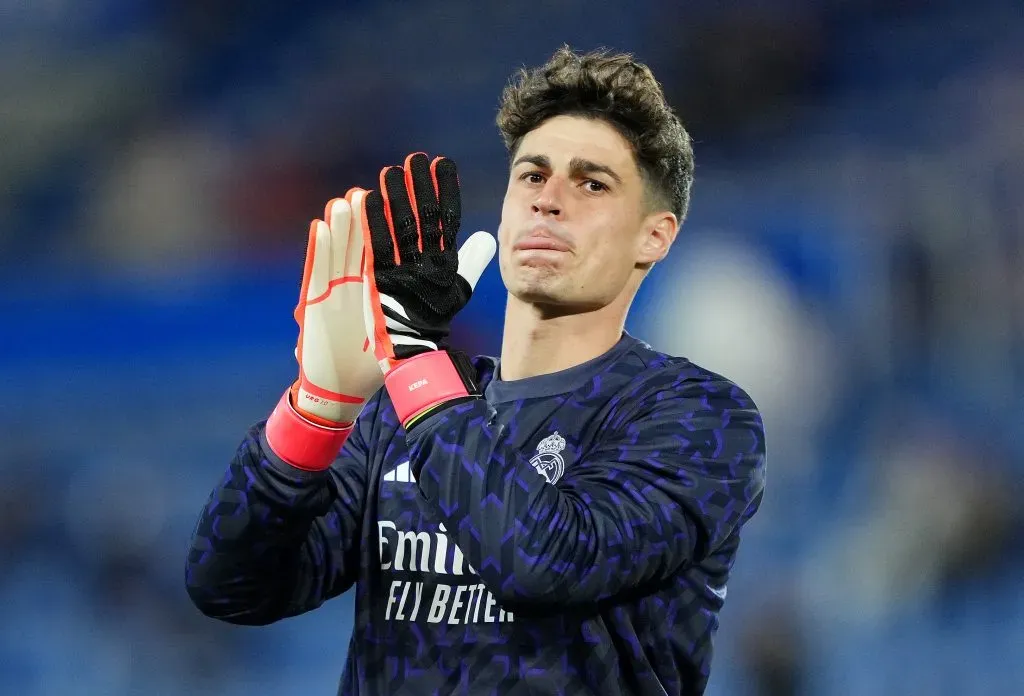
(577, 166)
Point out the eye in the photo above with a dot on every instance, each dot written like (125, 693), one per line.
(594, 186)
(532, 177)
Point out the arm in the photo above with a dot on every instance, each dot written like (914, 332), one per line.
(279, 534)
(275, 540)
(663, 491)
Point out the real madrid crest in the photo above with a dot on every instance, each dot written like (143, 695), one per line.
(548, 461)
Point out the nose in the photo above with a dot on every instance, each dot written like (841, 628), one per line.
(547, 202)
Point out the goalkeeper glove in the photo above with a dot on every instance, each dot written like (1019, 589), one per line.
(337, 370)
(415, 280)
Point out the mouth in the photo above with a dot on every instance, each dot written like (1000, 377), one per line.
(540, 240)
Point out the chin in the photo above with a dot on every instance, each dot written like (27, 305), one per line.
(554, 300)
(528, 282)
(538, 293)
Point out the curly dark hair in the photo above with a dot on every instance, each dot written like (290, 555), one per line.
(622, 92)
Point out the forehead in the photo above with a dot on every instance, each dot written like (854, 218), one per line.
(564, 137)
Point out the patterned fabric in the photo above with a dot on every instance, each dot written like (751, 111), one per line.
(571, 533)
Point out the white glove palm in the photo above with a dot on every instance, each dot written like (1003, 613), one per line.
(337, 368)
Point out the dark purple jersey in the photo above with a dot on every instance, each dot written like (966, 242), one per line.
(570, 533)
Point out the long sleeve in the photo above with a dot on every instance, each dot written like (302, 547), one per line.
(667, 482)
(274, 541)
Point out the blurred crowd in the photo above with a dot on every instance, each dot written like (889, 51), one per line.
(854, 256)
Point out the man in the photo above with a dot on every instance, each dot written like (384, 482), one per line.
(559, 521)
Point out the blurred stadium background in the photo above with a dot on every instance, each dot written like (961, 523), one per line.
(858, 211)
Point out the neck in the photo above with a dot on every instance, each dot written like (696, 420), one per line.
(537, 342)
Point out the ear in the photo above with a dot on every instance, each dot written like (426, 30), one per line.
(659, 231)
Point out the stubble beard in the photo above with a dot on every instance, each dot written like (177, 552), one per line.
(541, 285)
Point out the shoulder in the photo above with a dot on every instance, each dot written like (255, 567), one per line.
(663, 382)
(664, 376)
(678, 398)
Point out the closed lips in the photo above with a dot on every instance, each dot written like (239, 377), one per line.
(539, 242)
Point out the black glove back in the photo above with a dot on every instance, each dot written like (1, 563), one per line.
(413, 227)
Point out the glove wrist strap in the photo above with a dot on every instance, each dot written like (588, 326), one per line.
(300, 442)
(419, 384)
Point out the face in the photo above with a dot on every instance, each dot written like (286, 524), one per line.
(576, 232)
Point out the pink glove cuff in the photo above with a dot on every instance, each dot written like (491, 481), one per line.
(302, 443)
(419, 383)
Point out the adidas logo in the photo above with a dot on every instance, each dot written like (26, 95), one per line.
(401, 474)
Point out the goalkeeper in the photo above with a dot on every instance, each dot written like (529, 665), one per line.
(559, 520)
